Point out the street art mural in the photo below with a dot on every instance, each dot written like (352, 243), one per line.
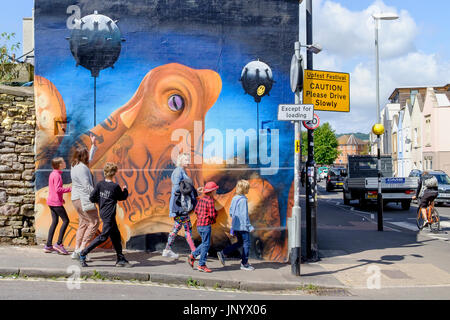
(203, 77)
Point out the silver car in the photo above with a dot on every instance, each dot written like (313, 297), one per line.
(443, 184)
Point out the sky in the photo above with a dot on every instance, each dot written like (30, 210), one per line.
(414, 50)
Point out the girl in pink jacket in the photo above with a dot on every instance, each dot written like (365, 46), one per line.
(55, 201)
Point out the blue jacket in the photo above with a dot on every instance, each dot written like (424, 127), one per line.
(177, 175)
(239, 214)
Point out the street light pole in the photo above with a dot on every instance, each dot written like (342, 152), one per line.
(379, 194)
(378, 128)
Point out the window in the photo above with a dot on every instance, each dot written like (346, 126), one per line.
(416, 144)
(428, 131)
(442, 178)
(395, 98)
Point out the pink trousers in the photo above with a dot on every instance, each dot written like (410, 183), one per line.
(87, 225)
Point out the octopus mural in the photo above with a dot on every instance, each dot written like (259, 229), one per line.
(138, 138)
(150, 79)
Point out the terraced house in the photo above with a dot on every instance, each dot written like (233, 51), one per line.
(416, 122)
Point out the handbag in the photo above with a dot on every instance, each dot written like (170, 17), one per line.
(87, 205)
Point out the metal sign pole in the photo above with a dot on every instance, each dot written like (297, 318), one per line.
(295, 234)
(312, 251)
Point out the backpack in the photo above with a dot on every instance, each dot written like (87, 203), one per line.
(186, 204)
(428, 182)
(186, 197)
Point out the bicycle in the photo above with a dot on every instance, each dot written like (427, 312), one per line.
(433, 218)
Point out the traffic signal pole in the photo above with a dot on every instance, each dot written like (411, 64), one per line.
(312, 250)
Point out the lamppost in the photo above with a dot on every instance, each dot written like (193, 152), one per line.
(378, 128)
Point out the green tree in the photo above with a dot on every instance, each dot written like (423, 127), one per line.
(325, 145)
(9, 70)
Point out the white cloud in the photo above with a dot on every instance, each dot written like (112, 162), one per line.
(348, 41)
(349, 33)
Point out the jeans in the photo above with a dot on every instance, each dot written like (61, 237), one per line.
(243, 240)
(110, 230)
(202, 250)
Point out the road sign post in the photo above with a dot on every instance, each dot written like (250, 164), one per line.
(312, 251)
(296, 112)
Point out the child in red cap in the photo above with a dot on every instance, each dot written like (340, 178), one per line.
(206, 216)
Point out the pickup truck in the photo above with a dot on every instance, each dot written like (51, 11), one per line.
(361, 182)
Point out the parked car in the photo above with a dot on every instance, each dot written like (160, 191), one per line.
(415, 173)
(443, 184)
(335, 178)
(323, 171)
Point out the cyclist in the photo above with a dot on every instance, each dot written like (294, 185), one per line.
(421, 188)
(430, 193)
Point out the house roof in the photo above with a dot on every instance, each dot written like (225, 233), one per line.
(446, 87)
(442, 100)
(391, 109)
(350, 139)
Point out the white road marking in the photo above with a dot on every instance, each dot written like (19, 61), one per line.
(436, 237)
(445, 224)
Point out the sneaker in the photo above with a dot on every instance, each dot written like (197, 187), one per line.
(221, 257)
(169, 253)
(203, 269)
(247, 267)
(75, 255)
(191, 260)
(49, 249)
(83, 261)
(60, 248)
(123, 264)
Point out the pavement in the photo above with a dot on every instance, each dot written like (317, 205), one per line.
(354, 256)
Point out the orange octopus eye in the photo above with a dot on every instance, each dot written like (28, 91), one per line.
(176, 102)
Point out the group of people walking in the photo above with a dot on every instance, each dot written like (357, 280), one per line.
(184, 200)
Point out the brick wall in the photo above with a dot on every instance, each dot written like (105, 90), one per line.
(17, 132)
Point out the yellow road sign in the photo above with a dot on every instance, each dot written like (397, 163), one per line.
(297, 146)
(326, 90)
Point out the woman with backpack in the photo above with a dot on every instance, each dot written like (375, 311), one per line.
(183, 199)
(421, 187)
(429, 195)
